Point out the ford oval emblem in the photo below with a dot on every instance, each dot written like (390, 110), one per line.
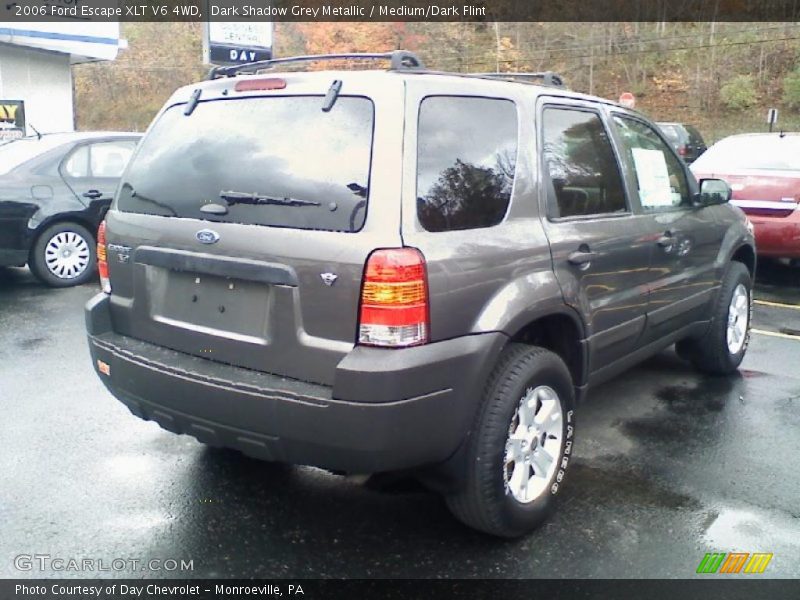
(207, 236)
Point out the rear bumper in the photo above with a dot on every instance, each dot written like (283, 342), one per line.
(387, 410)
(777, 236)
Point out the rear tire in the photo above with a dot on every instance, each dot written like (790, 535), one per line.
(721, 350)
(519, 448)
(64, 255)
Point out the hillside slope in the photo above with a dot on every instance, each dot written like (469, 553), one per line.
(723, 77)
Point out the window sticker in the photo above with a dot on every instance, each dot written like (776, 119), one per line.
(654, 185)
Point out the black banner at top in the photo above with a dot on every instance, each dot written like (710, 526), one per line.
(403, 10)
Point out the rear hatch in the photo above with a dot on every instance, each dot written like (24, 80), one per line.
(240, 230)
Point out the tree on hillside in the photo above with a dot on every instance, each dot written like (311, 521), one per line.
(125, 94)
(329, 38)
(677, 70)
(791, 89)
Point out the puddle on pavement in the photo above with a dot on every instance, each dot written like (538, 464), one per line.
(137, 521)
(688, 407)
(30, 343)
(751, 531)
(128, 467)
(613, 486)
(708, 396)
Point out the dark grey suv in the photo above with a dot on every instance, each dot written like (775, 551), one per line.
(401, 270)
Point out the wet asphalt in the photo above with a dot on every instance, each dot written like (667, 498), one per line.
(669, 465)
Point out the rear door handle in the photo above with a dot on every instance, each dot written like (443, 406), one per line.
(93, 194)
(581, 257)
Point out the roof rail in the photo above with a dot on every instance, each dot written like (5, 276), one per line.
(546, 77)
(400, 60)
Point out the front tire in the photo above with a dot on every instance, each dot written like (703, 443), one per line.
(64, 255)
(721, 350)
(519, 449)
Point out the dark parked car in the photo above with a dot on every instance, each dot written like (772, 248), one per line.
(763, 169)
(54, 191)
(686, 140)
(378, 271)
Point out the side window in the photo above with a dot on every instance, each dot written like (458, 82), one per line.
(77, 165)
(108, 159)
(103, 159)
(581, 170)
(660, 177)
(466, 156)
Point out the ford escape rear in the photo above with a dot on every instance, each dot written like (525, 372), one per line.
(377, 271)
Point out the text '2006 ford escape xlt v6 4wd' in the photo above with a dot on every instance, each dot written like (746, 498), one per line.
(400, 270)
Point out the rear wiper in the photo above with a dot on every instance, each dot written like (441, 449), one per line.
(138, 196)
(232, 197)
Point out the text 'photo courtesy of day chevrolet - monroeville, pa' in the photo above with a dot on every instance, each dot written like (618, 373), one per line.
(399, 299)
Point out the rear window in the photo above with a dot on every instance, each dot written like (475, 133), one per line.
(694, 135)
(467, 152)
(278, 161)
(671, 133)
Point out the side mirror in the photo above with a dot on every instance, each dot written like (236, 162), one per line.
(713, 191)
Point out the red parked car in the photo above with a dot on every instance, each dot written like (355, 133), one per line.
(763, 170)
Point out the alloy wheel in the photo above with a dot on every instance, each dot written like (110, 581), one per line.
(534, 444)
(738, 315)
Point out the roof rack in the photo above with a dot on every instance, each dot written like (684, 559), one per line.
(400, 60)
(546, 77)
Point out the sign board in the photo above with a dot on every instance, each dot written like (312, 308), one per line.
(83, 41)
(772, 116)
(236, 43)
(12, 119)
(627, 99)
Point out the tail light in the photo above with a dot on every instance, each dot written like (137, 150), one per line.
(394, 299)
(102, 258)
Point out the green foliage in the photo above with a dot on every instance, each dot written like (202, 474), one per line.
(739, 92)
(791, 89)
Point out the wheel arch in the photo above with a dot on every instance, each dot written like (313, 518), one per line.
(562, 332)
(558, 328)
(746, 255)
(81, 219)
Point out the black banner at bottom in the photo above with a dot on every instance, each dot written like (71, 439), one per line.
(733, 588)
